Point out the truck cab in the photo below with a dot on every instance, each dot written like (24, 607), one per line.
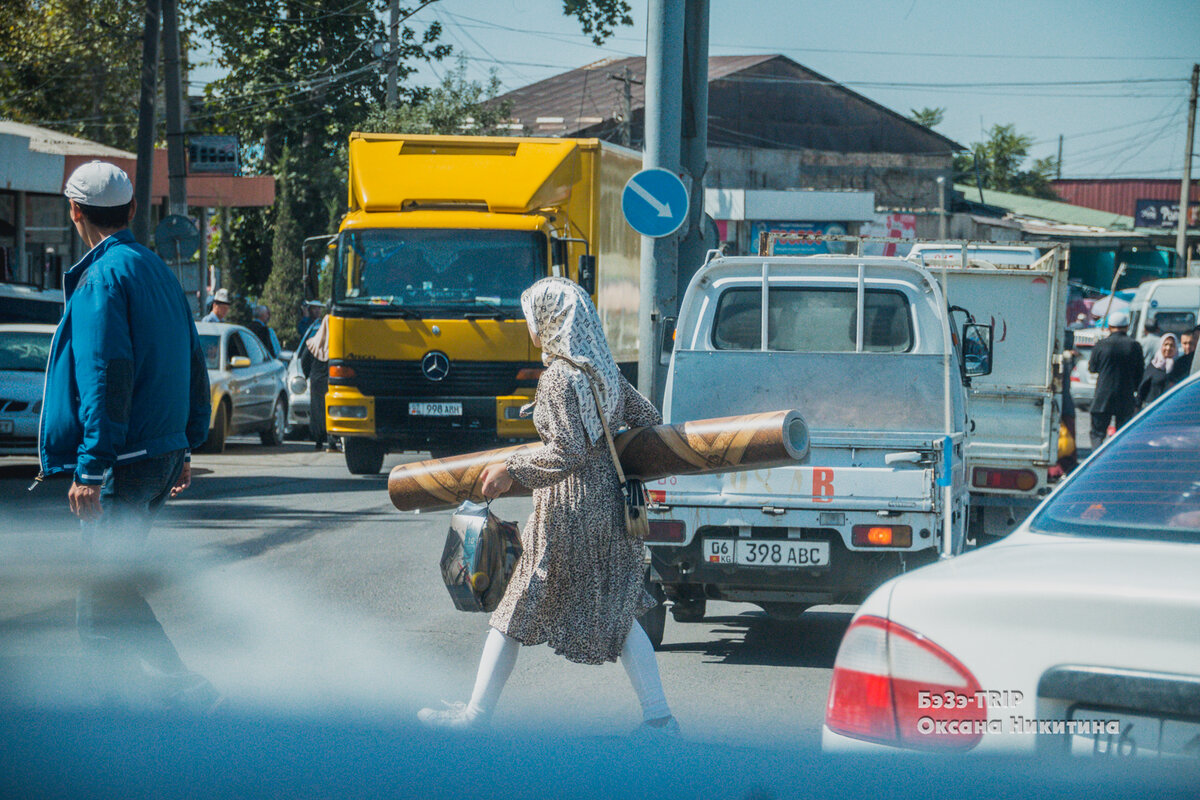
(862, 348)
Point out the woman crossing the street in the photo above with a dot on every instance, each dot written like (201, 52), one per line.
(579, 586)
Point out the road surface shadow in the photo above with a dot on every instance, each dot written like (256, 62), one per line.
(753, 638)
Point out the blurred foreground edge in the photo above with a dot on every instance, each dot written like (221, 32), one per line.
(64, 754)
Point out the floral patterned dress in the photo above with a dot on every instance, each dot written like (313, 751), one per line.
(579, 585)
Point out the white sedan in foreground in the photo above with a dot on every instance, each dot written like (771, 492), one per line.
(1078, 633)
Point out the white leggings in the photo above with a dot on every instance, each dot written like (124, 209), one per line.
(500, 656)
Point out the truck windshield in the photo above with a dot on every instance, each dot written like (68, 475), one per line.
(425, 269)
(1144, 485)
(813, 320)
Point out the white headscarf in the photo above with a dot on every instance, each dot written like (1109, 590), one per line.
(563, 317)
(1162, 362)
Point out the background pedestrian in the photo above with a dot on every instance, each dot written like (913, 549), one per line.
(579, 585)
(220, 307)
(314, 361)
(1117, 362)
(265, 333)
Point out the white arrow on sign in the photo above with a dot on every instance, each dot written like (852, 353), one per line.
(663, 209)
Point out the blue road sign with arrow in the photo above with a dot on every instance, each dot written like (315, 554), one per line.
(655, 202)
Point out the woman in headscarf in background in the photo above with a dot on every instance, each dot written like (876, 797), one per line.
(1161, 374)
(579, 586)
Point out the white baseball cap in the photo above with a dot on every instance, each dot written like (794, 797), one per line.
(99, 184)
(1118, 319)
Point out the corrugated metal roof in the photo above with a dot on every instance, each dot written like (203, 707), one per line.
(1119, 195)
(764, 101)
(44, 140)
(1052, 210)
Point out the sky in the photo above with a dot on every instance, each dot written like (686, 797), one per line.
(1110, 77)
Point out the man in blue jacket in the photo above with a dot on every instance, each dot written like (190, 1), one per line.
(126, 399)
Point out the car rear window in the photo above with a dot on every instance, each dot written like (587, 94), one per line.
(813, 320)
(1145, 484)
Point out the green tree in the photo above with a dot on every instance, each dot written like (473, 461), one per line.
(457, 105)
(73, 66)
(929, 117)
(284, 290)
(997, 164)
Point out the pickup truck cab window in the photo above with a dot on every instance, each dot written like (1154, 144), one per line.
(813, 320)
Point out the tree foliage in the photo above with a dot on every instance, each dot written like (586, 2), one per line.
(929, 117)
(284, 291)
(599, 18)
(74, 66)
(997, 164)
(457, 105)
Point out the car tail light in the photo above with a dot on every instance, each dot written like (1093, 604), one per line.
(881, 535)
(989, 478)
(668, 530)
(894, 686)
(340, 371)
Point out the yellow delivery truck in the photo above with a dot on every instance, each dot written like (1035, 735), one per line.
(428, 348)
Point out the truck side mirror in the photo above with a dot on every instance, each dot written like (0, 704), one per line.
(976, 349)
(587, 274)
(558, 253)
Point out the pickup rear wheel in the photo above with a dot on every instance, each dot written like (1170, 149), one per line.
(691, 609)
(784, 612)
(654, 621)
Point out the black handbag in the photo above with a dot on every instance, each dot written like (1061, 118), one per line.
(480, 555)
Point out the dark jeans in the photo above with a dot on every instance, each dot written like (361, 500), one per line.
(130, 656)
(1100, 420)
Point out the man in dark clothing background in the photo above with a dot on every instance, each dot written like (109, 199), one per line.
(1117, 362)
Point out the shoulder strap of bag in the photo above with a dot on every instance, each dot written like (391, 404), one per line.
(612, 447)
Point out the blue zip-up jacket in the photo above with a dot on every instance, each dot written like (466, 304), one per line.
(126, 378)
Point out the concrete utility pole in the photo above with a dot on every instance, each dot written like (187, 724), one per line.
(694, 243)
(660, 257)
(627, 108)
(173, 94)
(145, 136)
(392, 55)
(1185, 186)
(1058, 161)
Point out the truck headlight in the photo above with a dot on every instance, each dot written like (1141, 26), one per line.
(348, 412)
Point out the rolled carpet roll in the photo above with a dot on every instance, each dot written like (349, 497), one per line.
(727, 444)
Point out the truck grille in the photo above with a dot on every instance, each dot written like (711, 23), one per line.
(405, 378)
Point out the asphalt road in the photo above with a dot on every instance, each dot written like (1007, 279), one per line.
(296, 588)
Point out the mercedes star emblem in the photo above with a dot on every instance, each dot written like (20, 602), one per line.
(435, 365)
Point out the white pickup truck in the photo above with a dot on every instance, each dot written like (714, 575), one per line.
(862, 347)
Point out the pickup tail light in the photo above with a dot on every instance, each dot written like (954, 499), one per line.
(881, 536)
(666, 530)
(990, 478)
(893, 686)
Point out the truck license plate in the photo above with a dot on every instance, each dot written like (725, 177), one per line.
(771, 553)
(435, 409)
